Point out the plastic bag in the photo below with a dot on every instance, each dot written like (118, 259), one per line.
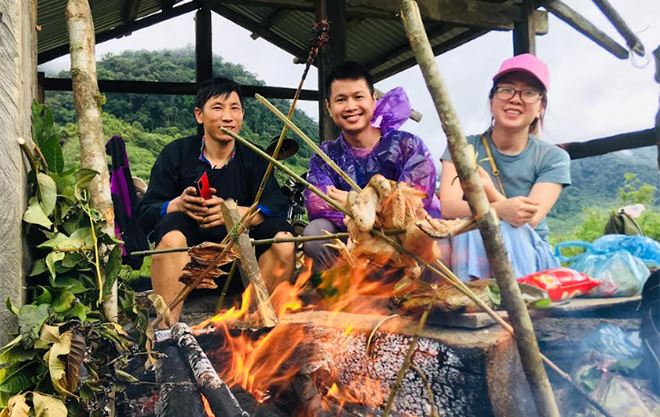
(561, 283)
(612, 342)
(645, 248)
(620, 273)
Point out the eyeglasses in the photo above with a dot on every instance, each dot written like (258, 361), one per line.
(527, 96)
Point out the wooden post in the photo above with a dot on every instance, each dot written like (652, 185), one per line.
(613, 16)
(249, 266)
(41, 91)
(332, 54)
(487, 221)
(203, 50)
(88, 102)
(203, 45)
(18, 80)
(524, 33)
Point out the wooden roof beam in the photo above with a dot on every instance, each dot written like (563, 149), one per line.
(585, 27)
(130, 11)
(167, 4)
(454, 42)
(264, 33)
(459, 12)
(124, 30)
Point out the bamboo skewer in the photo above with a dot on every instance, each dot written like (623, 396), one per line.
(258, 242)
(308, 141)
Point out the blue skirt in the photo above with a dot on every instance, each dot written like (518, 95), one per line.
(527, 251)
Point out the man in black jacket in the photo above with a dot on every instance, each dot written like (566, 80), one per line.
(178, 216)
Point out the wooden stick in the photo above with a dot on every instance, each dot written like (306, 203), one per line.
(249, 264)
(614, 17)
(308, 141)
(225, 288)
(488, 222)
(185, 291)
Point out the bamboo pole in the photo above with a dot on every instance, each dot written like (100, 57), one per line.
(308, 141)
(487, 221)
(88, 102)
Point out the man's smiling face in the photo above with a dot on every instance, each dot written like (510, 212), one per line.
(218, 112)
(351, 105)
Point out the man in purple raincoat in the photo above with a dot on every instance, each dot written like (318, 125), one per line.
(369, 144)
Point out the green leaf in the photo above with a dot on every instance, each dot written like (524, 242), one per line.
(626, 366)
(16, 378)
(39, 267)
(17, 353)
(44, 296)
(79, 310)
(64, 242)
(84, 235)
(47, 193)
(73, 285)
(124, 376)
(52, 152)
(112, 269)
(42, 122)
(51, 258)
(30, 320)
(63, 301)
(83, 177)
(11, 307)
(35, 215)
(47, 406)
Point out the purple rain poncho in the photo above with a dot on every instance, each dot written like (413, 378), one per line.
(398, 156)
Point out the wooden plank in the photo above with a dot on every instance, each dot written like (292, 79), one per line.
(249, 266)
(443, 47)
(332, 54)
(595, 147)
(582, 25)
(168, 88)
(524, 34)
(203, 45)
(123, 30)
(130, 11)
(256, 27)
(459, 12)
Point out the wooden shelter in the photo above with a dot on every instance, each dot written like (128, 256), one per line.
(366, 31)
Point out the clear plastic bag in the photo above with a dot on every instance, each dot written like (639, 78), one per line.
(621, 274)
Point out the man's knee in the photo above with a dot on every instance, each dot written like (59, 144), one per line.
(172, 239)
(284, 250)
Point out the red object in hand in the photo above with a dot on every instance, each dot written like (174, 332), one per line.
(203, 187)
(561, 283)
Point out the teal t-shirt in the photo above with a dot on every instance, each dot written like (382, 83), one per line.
(538, 162)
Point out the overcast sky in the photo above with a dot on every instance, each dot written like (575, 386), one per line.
(592, 93)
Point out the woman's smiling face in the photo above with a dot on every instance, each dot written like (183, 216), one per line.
(515, 114)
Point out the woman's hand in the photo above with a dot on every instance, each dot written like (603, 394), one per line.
(213, 216)
(492, 193)
(189, 203)
(516, 211)
(338, 195)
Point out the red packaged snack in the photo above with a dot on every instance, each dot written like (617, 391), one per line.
(561, 283)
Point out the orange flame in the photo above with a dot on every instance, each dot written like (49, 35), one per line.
(263, 365)
(207, 406)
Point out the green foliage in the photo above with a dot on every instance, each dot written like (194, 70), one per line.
(66, 290)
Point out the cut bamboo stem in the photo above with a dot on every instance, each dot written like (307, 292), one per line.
(488, 222)
(308, 141)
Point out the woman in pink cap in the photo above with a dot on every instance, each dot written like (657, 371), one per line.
(522, 175)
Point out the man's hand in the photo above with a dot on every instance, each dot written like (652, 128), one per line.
(338, 195)
(213, 216)
(516, 210)
(189, 203)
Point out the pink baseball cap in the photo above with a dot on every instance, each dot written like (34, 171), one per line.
(526, 63)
